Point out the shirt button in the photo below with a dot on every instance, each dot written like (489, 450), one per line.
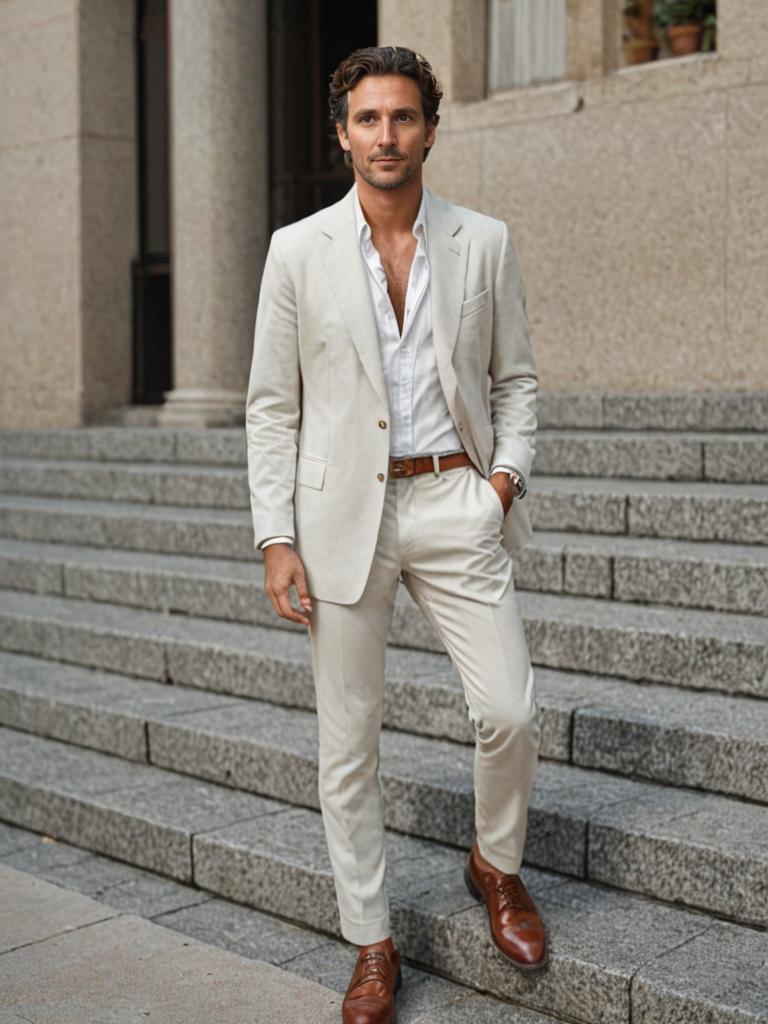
(382, 424)
(380, 476)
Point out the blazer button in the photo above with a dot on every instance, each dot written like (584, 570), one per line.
(382, 424)
(380, 476)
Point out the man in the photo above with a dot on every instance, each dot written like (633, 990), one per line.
(390, 423)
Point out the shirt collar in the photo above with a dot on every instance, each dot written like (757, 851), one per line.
(364, 228)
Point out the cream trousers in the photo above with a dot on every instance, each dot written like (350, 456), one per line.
(441, 534)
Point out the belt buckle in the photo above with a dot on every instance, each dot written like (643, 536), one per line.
(399, 467)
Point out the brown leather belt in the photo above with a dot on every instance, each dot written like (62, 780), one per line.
(424, 463)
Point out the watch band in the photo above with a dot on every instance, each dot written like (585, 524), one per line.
(519, 481)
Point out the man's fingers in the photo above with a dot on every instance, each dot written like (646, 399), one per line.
(285, 609)
(300, 581)
(281, 573)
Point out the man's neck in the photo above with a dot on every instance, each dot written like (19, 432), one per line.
(390, 211)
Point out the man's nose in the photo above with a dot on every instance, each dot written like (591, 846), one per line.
(387, 132)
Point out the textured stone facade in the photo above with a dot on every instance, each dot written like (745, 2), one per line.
(635, 196)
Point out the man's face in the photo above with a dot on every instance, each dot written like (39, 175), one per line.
(386, 132)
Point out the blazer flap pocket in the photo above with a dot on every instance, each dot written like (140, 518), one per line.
(475, 302)
(310, 472)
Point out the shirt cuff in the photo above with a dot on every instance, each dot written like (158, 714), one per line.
(276, 540)
(508, 469)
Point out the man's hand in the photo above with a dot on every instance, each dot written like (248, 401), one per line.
(503, 486)
(283, 567)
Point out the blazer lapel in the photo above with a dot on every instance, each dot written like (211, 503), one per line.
(340, 253)
(343, 261)
(447, 270)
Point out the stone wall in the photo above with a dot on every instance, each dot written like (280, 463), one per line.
(637, 197)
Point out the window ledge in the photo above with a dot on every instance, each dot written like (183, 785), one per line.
(651, 81)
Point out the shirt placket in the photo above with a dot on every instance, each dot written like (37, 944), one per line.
(400, 354)
(408, 343)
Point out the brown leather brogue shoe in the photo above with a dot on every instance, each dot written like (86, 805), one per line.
(516, 927)
(370, 996)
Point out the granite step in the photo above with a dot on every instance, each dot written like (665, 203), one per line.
(689, 510)
(732, 458)
(713, 743)
(673, 844)
(684, 455)
(717, 577)
(684, 573)
(740, 409)
(185, 646)
(301, 954)
(700, 650)
(124, 526)
(626, 956)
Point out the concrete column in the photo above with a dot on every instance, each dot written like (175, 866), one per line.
(67, 210)
(585, 37)
(219, 197)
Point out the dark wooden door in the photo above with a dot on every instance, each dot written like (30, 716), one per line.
(307, 39)
(151, 269)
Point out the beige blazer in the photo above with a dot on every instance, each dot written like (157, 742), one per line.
(317, 413)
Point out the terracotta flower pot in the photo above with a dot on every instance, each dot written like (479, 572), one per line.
(684, 39)
(639, 51)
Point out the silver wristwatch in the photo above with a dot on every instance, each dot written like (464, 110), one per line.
(519, 484)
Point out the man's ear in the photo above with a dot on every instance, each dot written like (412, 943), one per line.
(429, 140)
(342, 136)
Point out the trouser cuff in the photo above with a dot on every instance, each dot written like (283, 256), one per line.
(364, 932)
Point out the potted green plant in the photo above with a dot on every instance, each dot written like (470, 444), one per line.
(690, 25)
(639, 39)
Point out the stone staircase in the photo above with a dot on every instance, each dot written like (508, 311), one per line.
(154, 710)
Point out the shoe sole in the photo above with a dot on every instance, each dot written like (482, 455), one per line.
(474, 891)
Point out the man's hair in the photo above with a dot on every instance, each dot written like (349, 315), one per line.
(382, 60)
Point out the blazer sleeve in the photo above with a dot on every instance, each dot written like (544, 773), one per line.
(514, 377)
(273, 402)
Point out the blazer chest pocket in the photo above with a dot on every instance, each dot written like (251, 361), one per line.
(310, 471)
(475, 302)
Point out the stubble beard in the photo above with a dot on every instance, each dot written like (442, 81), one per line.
(388, 181)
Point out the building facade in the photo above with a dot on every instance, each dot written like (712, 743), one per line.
(149, 148)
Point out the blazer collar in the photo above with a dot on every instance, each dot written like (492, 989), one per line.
(438, 213)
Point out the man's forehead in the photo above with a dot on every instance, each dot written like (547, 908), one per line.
(385, 90)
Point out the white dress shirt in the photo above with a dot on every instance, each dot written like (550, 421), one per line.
(420, 421)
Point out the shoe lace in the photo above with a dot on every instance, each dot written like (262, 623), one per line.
(371, 966)
(511, 894)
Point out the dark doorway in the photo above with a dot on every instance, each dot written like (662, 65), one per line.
(307, 39)
(151, 269)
